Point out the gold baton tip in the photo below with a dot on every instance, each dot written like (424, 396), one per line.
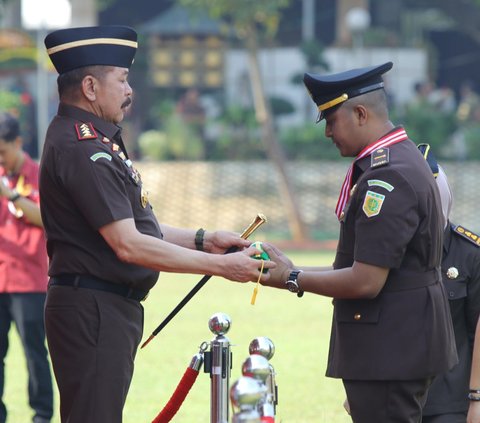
(259, 220)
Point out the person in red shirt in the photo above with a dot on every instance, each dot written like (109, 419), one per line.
(23, 268)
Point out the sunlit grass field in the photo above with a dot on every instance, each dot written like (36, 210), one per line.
(299, 328)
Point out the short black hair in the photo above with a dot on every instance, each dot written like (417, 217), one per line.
(69, 82)
(9, 127)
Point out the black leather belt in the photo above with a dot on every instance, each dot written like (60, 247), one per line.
(91, 282)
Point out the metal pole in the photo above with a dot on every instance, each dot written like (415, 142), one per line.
(42, 91)
(219, 324)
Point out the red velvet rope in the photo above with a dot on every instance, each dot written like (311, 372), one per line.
(173, 405)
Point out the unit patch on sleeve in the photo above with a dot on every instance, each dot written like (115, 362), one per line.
(373, 203)
(472, 237)
(100, 155)
(380, 183)
(380, 157)
(85, 131)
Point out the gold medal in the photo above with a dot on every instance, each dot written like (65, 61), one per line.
(352, 191)
(144, 197)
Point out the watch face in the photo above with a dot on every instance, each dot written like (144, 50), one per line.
(292, 286)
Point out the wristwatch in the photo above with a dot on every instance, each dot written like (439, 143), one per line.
(292, 283)
(14, 197)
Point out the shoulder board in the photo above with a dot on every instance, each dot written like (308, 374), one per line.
(469, 235)
(380, 157)
(85, 131)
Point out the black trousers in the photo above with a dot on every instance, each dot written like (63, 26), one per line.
(386, 401)
(446, 418)
(26, 311)
(93, 338)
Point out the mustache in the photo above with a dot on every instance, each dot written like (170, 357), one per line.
(127, 102)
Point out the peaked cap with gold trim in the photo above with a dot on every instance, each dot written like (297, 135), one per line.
(328, 91)
(109, 45)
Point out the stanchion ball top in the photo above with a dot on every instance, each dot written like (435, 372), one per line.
(262, 346)
(219, 323)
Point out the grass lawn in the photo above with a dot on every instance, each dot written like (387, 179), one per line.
(299, 328)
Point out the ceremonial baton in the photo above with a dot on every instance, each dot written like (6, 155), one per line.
(259, 220)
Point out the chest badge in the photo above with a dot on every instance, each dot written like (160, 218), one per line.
(144, 197)
(373, 203)
(452, 273)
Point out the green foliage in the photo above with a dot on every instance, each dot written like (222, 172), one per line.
(238, 136)
(308, 142)
(177, 142)
(171, 138)
(424, 123)
(245, 15)
(313, 52)
(472, 141)
(10, 101)
(281, 106)
(153, 144)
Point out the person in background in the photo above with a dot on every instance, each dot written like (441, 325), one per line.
(23, 268)
(473, 415)
(392, 330)
(105, 244)
(447, 400)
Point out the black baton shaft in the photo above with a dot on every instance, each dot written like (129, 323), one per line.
(260, 219)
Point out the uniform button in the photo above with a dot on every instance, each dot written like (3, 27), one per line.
(357, 316)
(451, 294)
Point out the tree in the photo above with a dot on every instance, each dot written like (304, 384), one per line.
(465, 13)
(254, 21)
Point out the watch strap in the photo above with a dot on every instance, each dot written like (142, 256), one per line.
(293, 278)
(14, 197)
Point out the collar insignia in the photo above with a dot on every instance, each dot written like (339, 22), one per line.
(85, 131)
(380, 157)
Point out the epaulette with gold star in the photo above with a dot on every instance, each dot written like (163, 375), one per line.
(380, 157)
(85, 131)
(469, 235)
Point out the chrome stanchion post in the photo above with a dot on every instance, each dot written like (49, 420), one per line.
(264, 346)
(219, 365)
(245, 395)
